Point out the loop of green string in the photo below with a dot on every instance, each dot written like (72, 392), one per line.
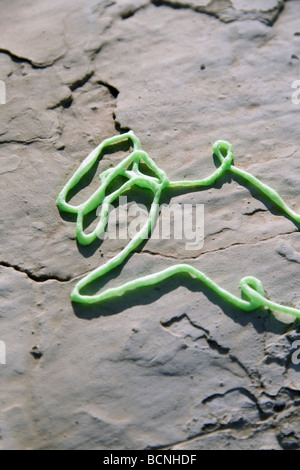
(253, 296)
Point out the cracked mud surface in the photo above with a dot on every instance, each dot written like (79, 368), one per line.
(170, 367)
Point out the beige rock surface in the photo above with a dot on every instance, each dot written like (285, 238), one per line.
(170, 367)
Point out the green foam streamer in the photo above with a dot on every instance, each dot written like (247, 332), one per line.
(253, 295)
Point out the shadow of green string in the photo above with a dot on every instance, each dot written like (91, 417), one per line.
(139, 170)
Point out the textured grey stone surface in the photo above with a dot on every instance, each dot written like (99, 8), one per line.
(170, 367)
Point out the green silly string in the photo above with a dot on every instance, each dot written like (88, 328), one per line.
(251, 287)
